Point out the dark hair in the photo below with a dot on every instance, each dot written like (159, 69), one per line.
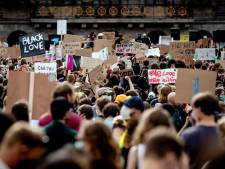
(118, 90)
(59, 108)
(208, 103)
(101, 102)
(136, 68)
(146, 63)
(87, 111)
(180, 64)
(23, 61)
(20, 111)
(154, 66)
(132, 93)
(171, 62)
(85, 100)
(5, 122)
(63, 90)
(111, 109)
(162, 65)
(198, 64)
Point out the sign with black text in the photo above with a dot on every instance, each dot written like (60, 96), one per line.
(32, 45)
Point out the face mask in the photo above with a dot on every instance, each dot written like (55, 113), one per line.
(222, 98)
(125, 113)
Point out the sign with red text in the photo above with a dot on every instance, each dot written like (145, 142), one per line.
(124, 48)
(157, 76)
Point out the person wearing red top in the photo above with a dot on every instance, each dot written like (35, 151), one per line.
(72, 120)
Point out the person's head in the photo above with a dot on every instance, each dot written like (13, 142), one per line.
(64, 90)
(78, 96)
(99, 143)
(85, 101)
(86, 111)
(171, 63)
(132, 93)
(118, 90)
(121, 64)
(23, 62)
(163, 65)
(100, 104)
(136, 68)
(20, 111)
(6, 121)
(71, 79)
(22, 144)
(151, 119)
(132, 108)
(198, 64)
(164, 150)
(146, 63)
(59, 108)
(205, 105)
(180, 64)
(111, 110)
(164, 91)
(171, 98)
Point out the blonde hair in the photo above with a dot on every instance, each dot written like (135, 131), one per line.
(151, 119)
(78, 96)
(164, 91)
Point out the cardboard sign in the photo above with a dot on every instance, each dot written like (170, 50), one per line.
(61, 27)
(124, 48)
(184, 37)
(183, 51)
(156, 76)
(46, 68)
(190, 82)
(90, 63)
(126, 72)
(30, 89)
(84, 52)
(112, 59)
(139, 47)
(71, 47)
(153, 52)
(203, 43)
(150, 59)
(165, 40)
(10, 52)
(102, 54)
(109, 35)
(205, 53)
(103, 43)
(72, 38)
(164, 49)
(32, 45)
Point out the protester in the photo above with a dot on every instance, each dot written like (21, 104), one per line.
(6, 121)
(20, 111)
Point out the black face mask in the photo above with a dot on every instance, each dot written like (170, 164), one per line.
(28, 164)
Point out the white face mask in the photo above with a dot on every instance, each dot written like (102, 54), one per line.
(125, 112)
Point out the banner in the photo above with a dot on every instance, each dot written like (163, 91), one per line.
(183, 51)
(191, 82)
(156, 76)
(124, 48)
(205, 53)
(32, 45)
(102, 54)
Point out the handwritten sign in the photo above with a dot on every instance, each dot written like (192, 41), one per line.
(72, 38)
(45, 68)
(126, 72)
(153, 52)
(97, 74)
(139, 47)
(124, 48)
(32, 45)
(205, 53)
(61, 27)
(102, 54)
(10, 52)
(156, 76)
(183, 51)
(71, 47)
(164, 49)
(109, 35)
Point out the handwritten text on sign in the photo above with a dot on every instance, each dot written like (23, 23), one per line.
(32, 45)
(156, 76)
(46, 68)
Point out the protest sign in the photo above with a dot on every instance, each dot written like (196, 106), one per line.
(72, 38)
(139, 47)
(69, 62)
(84, 52)
(90, 63)
(165, 40)
(76, 63)
(103, 43)
(112, 59)
(203, 43)
(71, 47)
(31, 90)
(61, 27)
(126, 72)
(205, 53)
(10, 52)
(102, 54)
(164, 49)
(34, 59)
(124, 48)
(109, 35)
(184, 37)
(183, 51)
(150, 59)
(156, 76)
(32, 45)
(190, 82)
(46, 68)
(153, 52)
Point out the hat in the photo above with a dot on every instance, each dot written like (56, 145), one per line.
(121, 98)
(100, 34)
(135, 102)
(104, 91)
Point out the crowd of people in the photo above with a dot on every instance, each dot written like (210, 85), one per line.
(126, 124)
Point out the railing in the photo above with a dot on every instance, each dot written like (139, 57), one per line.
(112, 11)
